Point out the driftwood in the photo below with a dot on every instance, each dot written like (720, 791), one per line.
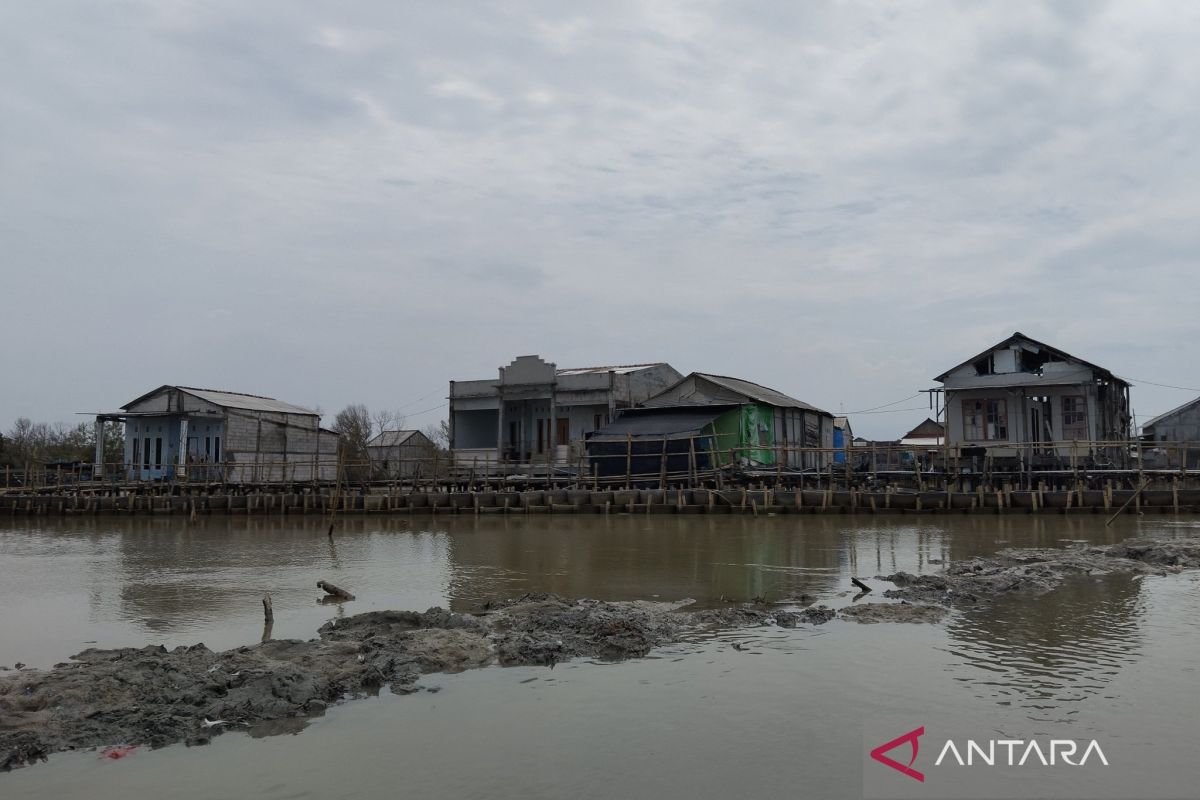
(860, 585)
(335, 591)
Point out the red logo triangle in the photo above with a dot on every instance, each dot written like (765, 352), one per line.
(910, 737)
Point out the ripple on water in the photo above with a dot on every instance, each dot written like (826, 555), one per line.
(1047, 653)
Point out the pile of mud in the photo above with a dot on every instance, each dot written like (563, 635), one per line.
(1039, 570)
(154, 696)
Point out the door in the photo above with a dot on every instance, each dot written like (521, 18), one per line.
(562, 431)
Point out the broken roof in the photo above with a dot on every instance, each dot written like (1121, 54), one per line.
(1020, 337)
(248, 402)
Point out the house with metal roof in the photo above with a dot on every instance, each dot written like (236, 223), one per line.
(401, 454)
(1180, 424)
(208, 434)
(715, 421)
(535, 412)
(1024, 399)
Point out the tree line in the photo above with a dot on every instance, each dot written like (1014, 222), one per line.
(38, 443)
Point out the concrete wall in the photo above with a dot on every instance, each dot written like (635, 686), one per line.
(272, 446)
(158, 434)
(474, 429)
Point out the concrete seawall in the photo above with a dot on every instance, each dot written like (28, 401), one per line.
(562, 501)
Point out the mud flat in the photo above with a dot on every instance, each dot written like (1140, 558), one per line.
(1038, 570)
(153, 696)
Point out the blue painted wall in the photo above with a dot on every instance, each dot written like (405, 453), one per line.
(206, 439)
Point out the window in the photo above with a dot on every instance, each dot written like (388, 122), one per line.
(216, 448)
(207, 447)
(1074, 418)
(137, 451)
(146, 453)
(541, 435)
(158, 452)
(985, 420)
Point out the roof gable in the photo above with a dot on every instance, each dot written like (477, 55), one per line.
(397, 438)
(247, 402)
(1170, 413)
(732, 390)
(928, 428)
(1017, 337)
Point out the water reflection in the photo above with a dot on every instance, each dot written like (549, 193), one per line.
(1048, 654)
(129, 581)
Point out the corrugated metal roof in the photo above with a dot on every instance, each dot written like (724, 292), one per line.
(248, 402)
(390, 438)
(758, 392)
(1172, 412)
(669, 423)
(621, 368)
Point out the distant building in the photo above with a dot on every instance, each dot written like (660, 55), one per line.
(706, 420)
(401, 454)
(1180, 424)
(534, 411)
(205, 434)
(1022, 392)
(1178, 430)
(930, 433)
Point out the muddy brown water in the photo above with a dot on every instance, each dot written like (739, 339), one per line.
(782, 715)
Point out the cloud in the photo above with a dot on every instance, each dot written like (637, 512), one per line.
(839, 200)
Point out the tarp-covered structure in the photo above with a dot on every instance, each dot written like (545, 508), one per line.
(636, 442)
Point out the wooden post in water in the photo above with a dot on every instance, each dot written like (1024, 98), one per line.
(691, 462)
(628, 459)
(662, 471)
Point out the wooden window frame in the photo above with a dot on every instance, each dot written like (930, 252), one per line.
(1074, 417)
(990, 415)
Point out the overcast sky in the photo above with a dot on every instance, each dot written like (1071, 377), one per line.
(359, 201)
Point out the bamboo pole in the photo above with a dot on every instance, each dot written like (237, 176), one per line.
(1126, 505)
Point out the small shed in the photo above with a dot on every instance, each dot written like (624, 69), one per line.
(401, 454)
(637, 442)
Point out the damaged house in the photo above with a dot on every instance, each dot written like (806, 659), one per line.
(707, 421)
(1022, 397)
